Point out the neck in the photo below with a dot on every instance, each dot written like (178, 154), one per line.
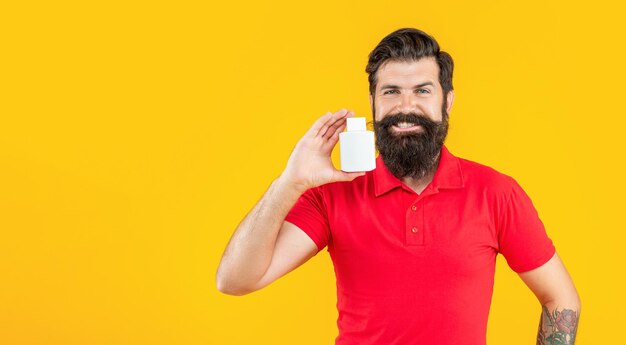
(418, 185)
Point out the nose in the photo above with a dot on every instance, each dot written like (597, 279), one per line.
(407, 103)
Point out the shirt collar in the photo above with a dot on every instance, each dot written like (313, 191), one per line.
(448, 174)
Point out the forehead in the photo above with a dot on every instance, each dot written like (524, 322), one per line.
(408, 72)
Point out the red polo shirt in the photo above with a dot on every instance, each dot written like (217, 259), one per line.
(419, 268)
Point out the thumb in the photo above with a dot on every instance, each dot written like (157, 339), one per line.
(348, 176)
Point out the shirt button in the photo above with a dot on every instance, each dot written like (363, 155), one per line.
(413, 208)
(414, 230)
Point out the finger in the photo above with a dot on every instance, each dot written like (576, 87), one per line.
(336, 116)
(334, 128)
(319, 123)
(339, 121)
(332, 140)
(339, 126)
(329, 145)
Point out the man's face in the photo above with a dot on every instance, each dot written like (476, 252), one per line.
(410, 117)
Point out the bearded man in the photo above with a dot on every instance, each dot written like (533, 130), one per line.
(413, 242)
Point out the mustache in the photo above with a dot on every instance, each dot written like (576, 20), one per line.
(397, 118)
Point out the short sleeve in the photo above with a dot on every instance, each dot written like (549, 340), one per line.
(310, 215)
(522, 238)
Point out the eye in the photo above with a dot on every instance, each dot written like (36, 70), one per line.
(426, 91)
(388, 91)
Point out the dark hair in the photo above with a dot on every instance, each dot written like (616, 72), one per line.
(409, 44)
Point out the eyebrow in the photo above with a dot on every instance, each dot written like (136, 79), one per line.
(384, 87)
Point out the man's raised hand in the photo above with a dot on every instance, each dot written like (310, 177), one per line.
(309, 164)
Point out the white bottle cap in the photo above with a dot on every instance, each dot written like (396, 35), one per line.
(356, 124)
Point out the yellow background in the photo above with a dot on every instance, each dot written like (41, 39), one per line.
(135, 136)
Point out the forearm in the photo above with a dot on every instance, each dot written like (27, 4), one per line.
(558, 323)
(249, 251)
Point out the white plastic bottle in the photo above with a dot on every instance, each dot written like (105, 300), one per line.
(356, 146)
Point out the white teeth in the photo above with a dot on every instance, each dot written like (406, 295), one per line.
(405, 124)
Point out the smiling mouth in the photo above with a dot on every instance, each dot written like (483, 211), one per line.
(406, 127)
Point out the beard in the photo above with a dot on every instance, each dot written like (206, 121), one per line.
(413, 153)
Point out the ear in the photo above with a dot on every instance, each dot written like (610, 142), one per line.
(450, 100)
(372, 104)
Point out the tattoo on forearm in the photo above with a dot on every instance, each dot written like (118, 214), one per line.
(557, 327)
